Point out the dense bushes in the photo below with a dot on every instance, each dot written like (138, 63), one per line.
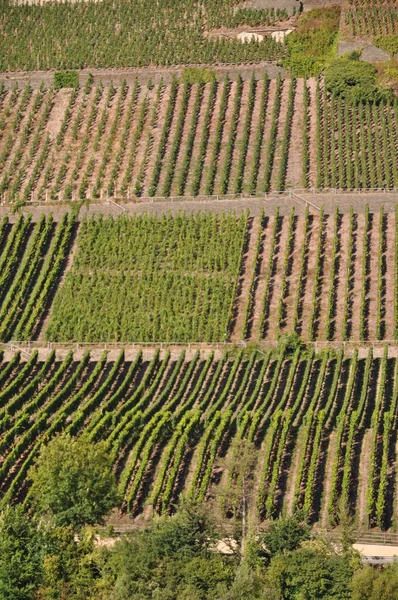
(313, 43)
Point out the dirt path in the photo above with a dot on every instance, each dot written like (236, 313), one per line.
(373, 276)
(364, 463)
(389, 277)
(261, 280)
(239, 134)
(244, 283)
(325, 283)
(293, 279)
(341, 279)
(357, 282)
(294, 169)
(311, 83)
(275, 291)
(309, 283)
(327, 480)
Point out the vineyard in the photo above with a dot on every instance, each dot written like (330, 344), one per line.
(151, 279)
(321, 427)
(372, 20)
(32, 258)
(229, 137)
(202, 278)
(55, 35)
(207, 278)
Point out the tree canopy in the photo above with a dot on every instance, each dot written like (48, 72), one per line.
(73, 481)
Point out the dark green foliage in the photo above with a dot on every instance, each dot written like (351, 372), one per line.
(73, 482)
(309, 575)
(20, 556)
(313, 43)
(66, 79)
(388, 43)
(354, 81)
(195, 75)
(285, 534)
(372, 584)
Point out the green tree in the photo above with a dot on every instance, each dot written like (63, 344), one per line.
(371, 584)
(20, 555)
(354, 81)
(174, 559)
(73, 482)
(285, 534)
(308, 575)
(69, 564)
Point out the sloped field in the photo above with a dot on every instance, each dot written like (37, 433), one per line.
(229, 137)
(319, 428)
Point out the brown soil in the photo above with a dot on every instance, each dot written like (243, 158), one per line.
(244, 283)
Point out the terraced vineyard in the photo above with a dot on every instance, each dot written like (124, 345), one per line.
(32, 259)
(202, 278)
(364, 21)
(229, 137)
(325, 277)
(323, 427)
(131, 35)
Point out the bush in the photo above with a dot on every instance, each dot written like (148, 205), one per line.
(195, 75)
(388, 43)
(66, 79)
(314, 41)
(354, 81)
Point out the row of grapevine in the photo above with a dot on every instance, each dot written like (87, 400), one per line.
(171, 422)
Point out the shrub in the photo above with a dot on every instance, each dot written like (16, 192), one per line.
(388, 43)
(313, 43)
(195, 75)
(66, 79)
(354, 81)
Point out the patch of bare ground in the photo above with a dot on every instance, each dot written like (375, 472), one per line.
(266, 133)
(184, 137)
(73, 137)
(239, 134)
(357, 283)
(297, 450)
(311, 84)
(225, 137)
(16, 137)
(364, 463)
(171, 138)
(212, 136)
(371, 300)
(157, 134)
(60, 104)
(255, 122)
(330, 457)
(292, 281)
(275, 289)
(198, 137)
(341, 277)
(261, 278)
(28, 162)
(294, 169)
(309, 285)
(390, 274)
(280, 133)
(143, 140)
(244, 281)
(325, 283)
